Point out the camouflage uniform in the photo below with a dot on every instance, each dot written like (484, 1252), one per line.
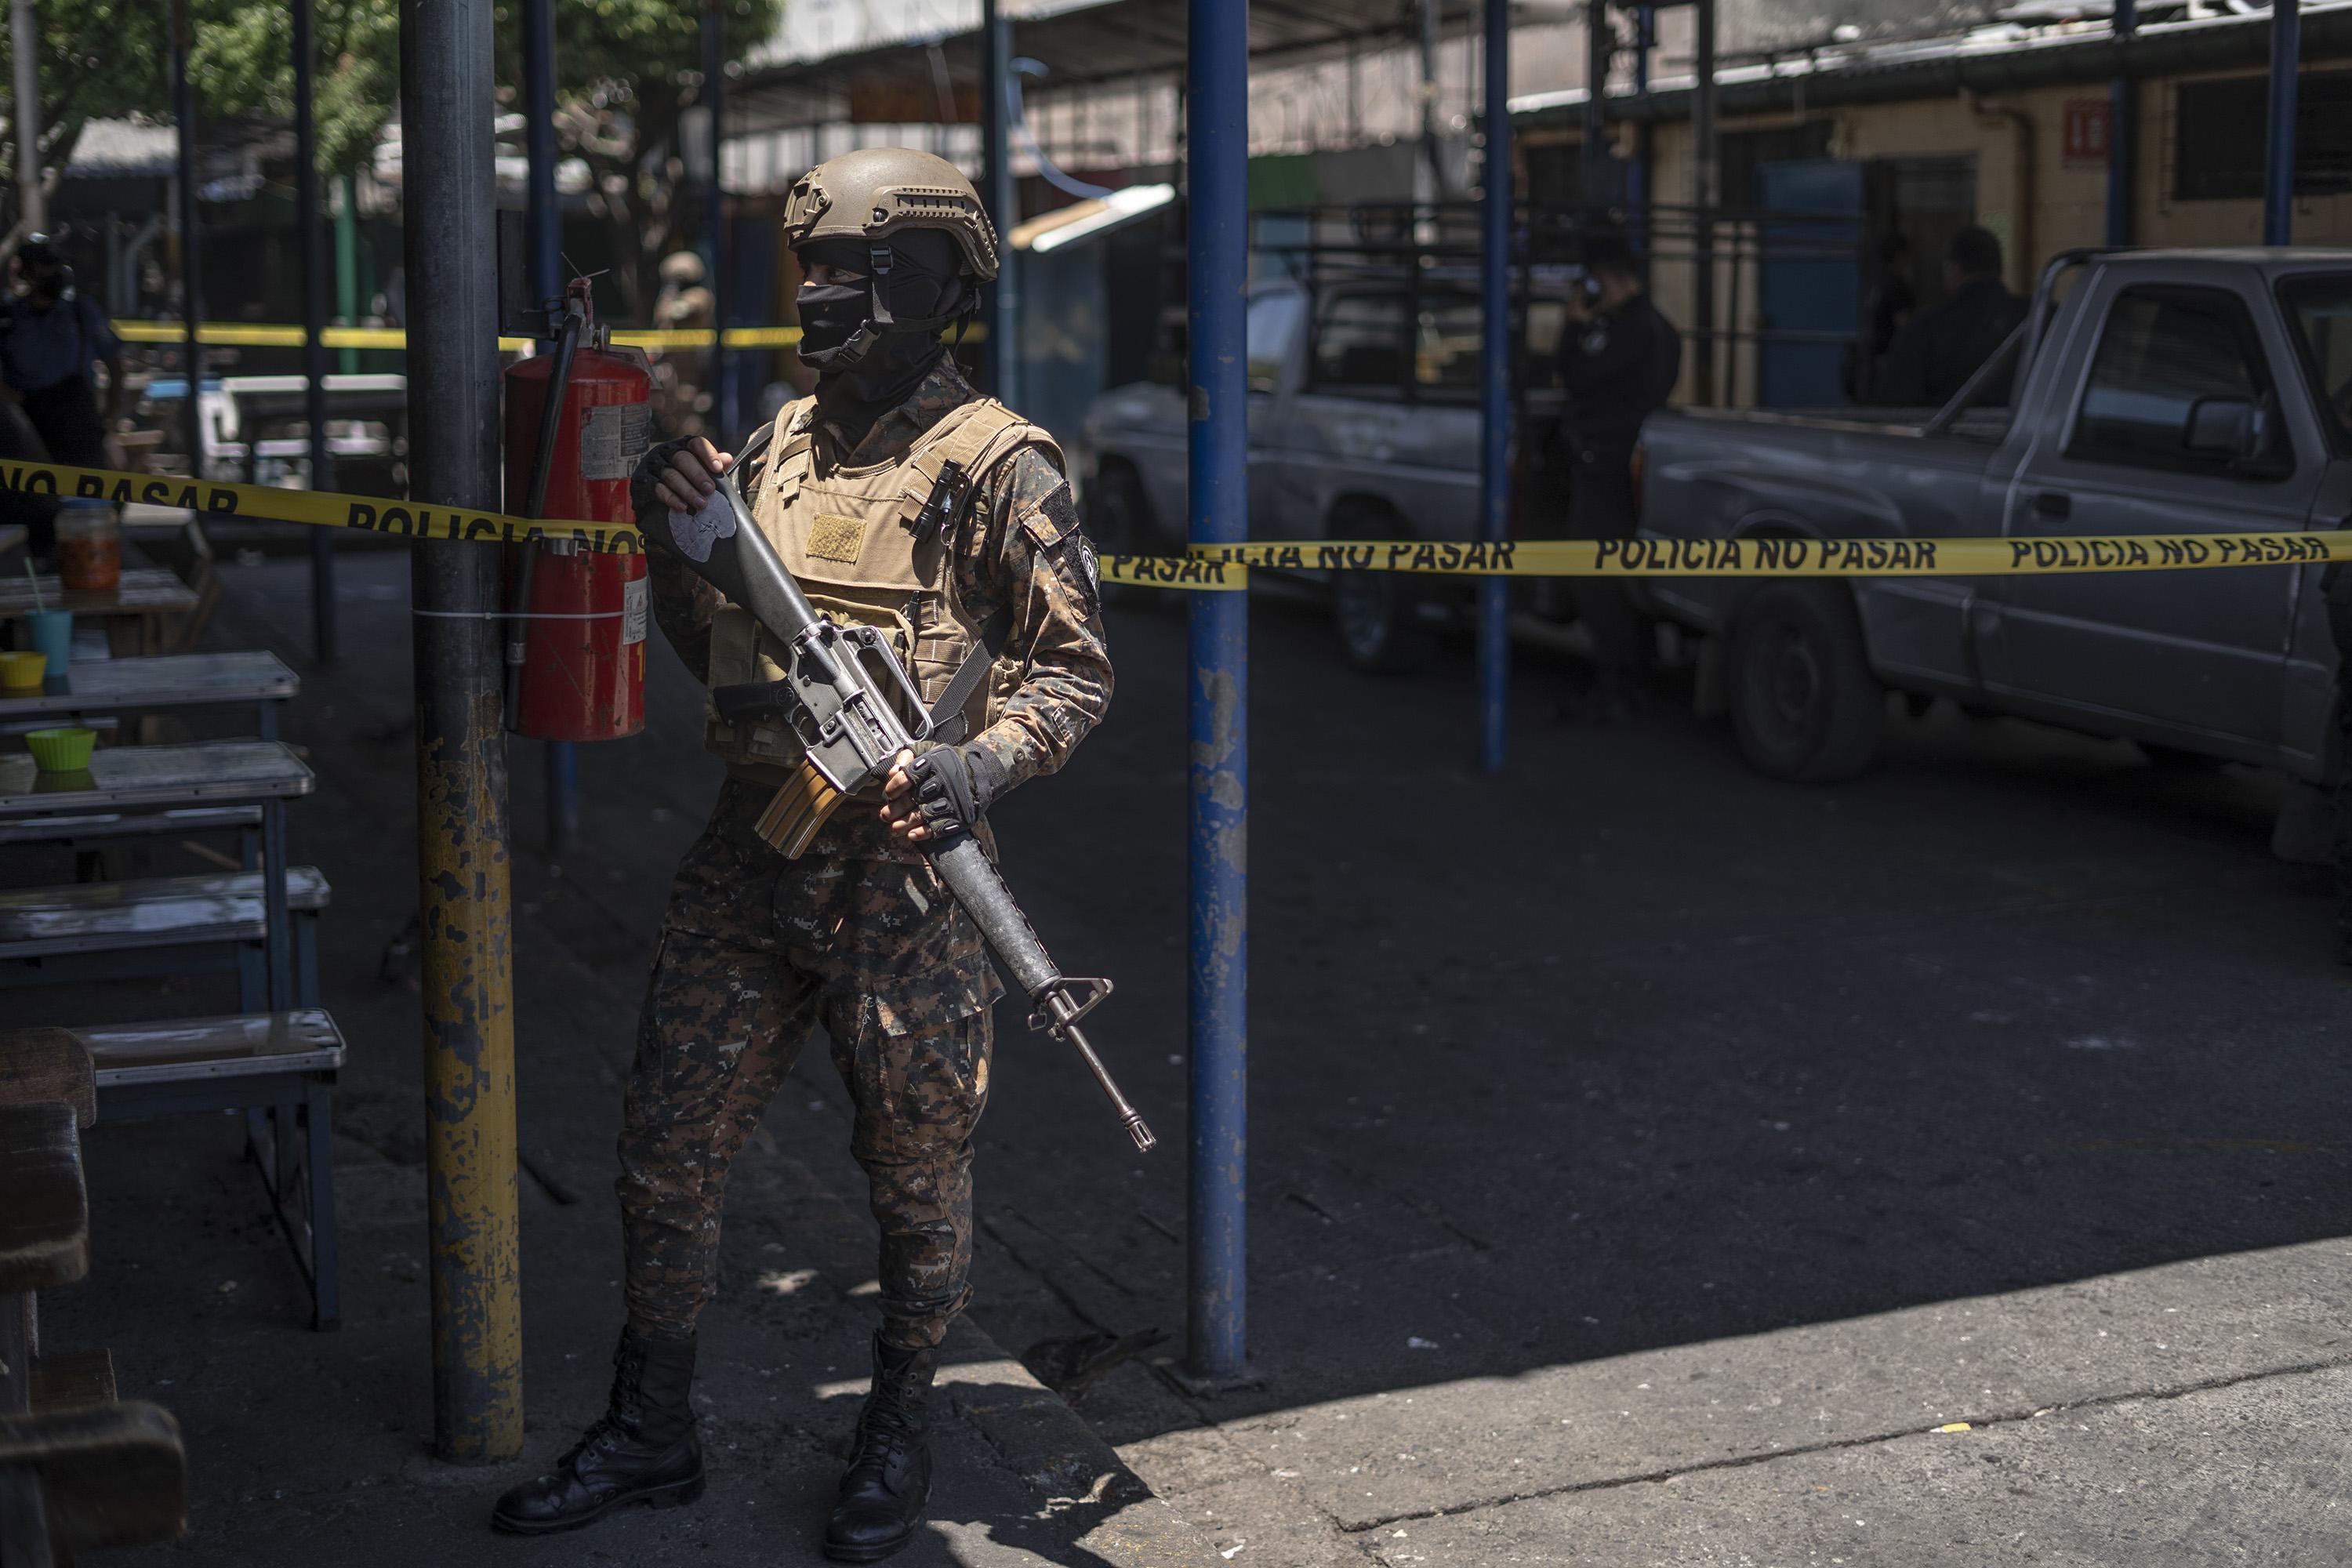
(858, 934)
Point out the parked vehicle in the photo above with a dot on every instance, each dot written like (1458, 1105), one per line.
(1364, 424)
(2163, 391)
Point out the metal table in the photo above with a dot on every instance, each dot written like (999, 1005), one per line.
(160, 778)
(146, 594)
(172, 680)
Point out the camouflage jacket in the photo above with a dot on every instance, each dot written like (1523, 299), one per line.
(1020, 548)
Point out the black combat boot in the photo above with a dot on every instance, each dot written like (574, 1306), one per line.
(890, 1475)
(644, 1450)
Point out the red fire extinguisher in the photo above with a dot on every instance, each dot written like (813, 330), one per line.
(577, 421)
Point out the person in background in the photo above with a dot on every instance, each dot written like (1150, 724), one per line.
(1936, 352)
(1892, 303)
(53, 335)
(1619, 359)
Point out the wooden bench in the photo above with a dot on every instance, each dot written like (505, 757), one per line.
(88, 1478)
(279, 1068)
(72, 1381)
(160, 925)
(78, 1469)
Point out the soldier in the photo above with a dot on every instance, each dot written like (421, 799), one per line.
(859, 933)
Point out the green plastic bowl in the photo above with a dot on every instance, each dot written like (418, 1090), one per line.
(61, 750)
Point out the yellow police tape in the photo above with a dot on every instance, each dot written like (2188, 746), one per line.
(272, 335)
(1215, 568)
(1793, 557)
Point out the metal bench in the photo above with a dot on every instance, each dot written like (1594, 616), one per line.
(160, 925)
(280, 1069)
(101, 827)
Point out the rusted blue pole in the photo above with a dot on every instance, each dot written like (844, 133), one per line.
(314, 320)
(2278, 170)
(1495, 380)
(544, 226)
(472, 1229)
(1217, 278)
(2123, 130)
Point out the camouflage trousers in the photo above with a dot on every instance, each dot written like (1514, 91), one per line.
(755, 951)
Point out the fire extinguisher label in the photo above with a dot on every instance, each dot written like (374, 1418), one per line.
(634, 598)
(612, 437)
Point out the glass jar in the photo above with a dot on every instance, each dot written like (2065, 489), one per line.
(89, 544)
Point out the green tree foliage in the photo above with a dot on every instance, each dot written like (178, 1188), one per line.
(626, 71)
(109, 59)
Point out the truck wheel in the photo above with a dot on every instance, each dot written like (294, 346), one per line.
(1378, 617)
(1804, 701)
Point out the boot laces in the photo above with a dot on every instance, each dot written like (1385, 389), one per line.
(887, 1433)
(623, 1418)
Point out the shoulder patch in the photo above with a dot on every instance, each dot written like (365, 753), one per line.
(1054, 517)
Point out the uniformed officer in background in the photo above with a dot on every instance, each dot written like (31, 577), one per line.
(1619, 359)
(1937, 352)
(901, 498)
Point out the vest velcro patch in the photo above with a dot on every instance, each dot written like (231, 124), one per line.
(835, 538)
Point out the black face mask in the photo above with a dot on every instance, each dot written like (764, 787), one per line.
(829, 317)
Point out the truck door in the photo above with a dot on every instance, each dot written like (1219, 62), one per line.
(1347, 422)
(1276, 317)
(2202, 653)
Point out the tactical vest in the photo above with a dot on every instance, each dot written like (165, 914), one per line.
(874, 545)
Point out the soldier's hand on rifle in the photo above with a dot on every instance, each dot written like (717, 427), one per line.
(900, 809)
(940, 792)
(693, 474)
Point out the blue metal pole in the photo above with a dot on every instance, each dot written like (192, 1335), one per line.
(2123, 132)
(1495, 386)
(2278, 171)
(1217, 170)
(714, 73)
(314, 320)
(1637, 184)
(543, 226)
(544, 216)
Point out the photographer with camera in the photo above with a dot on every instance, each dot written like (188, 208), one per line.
(50, 336)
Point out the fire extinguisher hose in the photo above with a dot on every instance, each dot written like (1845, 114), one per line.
(551, 420)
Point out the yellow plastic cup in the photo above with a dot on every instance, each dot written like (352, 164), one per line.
(22, 671)
(61, 750)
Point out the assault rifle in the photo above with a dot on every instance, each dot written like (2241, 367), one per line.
(839, 693)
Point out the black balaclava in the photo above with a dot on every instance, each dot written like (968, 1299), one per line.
(923, 291)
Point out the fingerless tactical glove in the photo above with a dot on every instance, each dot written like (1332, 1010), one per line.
(953, 785)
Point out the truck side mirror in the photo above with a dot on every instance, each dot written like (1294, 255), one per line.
(2216, 426)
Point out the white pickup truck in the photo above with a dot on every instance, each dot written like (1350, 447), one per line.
(2161, 392)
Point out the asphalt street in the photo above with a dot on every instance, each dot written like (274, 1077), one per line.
(1649, 1162)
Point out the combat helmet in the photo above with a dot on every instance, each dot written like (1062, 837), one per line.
(875, 193)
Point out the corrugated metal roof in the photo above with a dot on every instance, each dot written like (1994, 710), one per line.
(1994, 59)
(1081, 42)
(122, 149)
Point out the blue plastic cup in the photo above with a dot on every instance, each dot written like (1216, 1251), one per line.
(53, 634)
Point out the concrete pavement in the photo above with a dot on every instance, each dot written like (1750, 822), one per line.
(1646, 1159)
(309, 1448)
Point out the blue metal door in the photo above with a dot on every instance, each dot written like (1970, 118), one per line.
(1808, 279)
